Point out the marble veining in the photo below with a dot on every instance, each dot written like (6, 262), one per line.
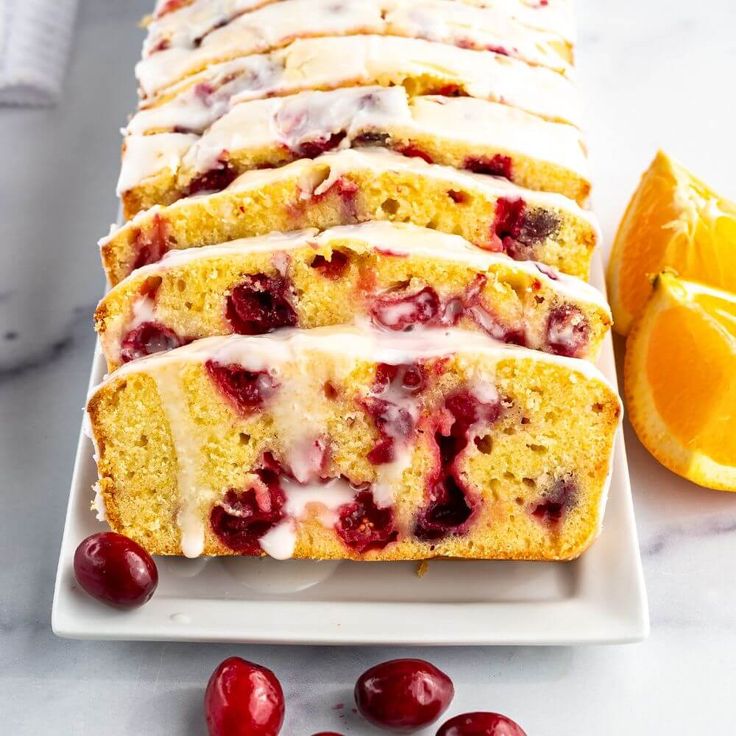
(46, 355)
(652, 74)
(660, 542)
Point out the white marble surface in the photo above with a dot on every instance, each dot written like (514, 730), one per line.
(654, 73)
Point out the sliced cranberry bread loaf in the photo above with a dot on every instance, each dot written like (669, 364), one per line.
(183, 43)
(339, 443)
(182, 22)
(397, 276)
(464, 132)
(355, 186)
(423, 67)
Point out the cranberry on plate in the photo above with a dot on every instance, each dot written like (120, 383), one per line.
(243, 699)
(403, 695)
(480, 724)
(115, 570)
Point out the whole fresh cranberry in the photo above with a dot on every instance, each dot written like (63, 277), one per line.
(243, 699)
(403, 695)
(480, 724)
(115, 570)
(327, 733)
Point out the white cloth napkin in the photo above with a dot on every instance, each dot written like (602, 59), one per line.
(35, 36)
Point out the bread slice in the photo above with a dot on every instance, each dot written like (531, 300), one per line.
(423, 67)
(396, 276)
(464, 132)
(182, 22)
(352, 186)
(338, 443)
(179, 50)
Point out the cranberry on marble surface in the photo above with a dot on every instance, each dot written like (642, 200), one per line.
(248, 390)
(480, 724)
(403, 695)
(244, 516)
(363, 526)
(260, 304)
(115, 570)
(146, 339)
(243, 699)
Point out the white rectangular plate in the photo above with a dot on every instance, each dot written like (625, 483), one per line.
(599, 598)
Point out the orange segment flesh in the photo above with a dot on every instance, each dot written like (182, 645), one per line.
(673, 221)
(680, 380)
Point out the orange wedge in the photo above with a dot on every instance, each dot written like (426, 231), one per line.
(680, 380)
(673, 221)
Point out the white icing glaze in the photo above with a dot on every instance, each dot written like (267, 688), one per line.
(398, 238)
(346, 343)
(173, 401)
(323, 497)
(144, 310)
(191, 21)
(485, 392)
(147, 155)
(267, 28)
(310, 175)
(280, 541)
(325, 63)
(275, 25)
(292, 120)
(312, 116)
(554, 16)
(98, 504)
(183, 28)
(477, 26)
